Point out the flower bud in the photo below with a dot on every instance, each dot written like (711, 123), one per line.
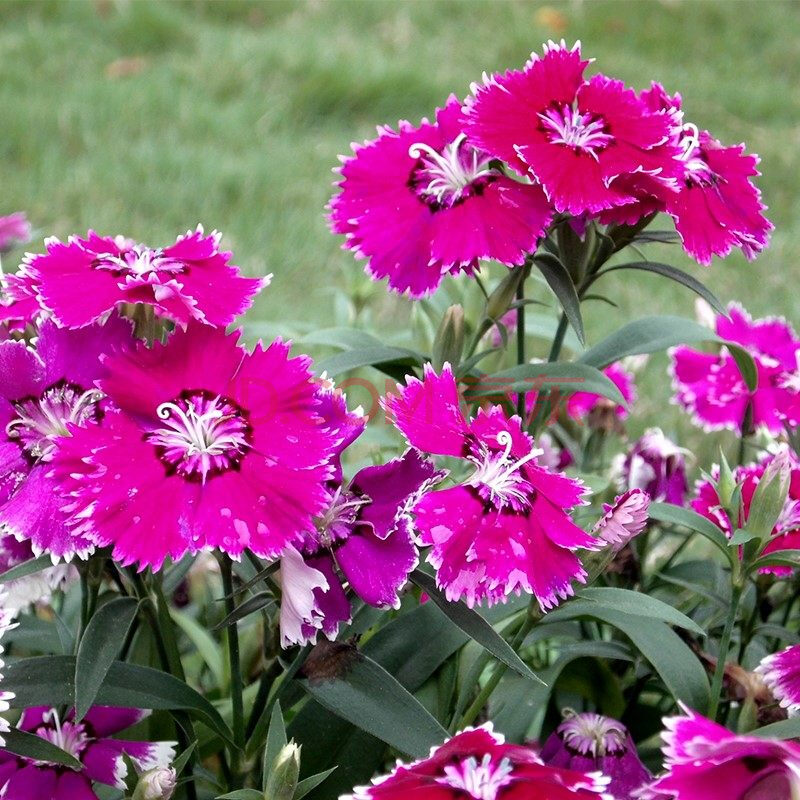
(502, 297)
(156, 784)
(449, 342)
(770, 496)
(283, 775)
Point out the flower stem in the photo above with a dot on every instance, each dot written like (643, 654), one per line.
(521, 339)
(724, 647)
(500, 670)
(237, 683)
(558, 339)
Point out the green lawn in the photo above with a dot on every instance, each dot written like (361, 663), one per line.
(147, 117)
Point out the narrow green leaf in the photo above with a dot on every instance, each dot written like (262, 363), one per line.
(635, 603)
(374, 356)
(242, 794)
(559, 280)
(50, 681)
(249, 606)
(685, 517)
(651, 334)
(276, 740)
(38, 564)
(208, 649)
(371, 699)
(669, 655)
(183, 759)
(99, 647)
(564, 377)
(675, 274)
(28, 745)
(475, 626)
(311, 782)
(785, 729)
(779, 558)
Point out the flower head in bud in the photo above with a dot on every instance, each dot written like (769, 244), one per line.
(156, 784)
(285, 770)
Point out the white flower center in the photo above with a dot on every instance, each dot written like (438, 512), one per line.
(203, 435)
(499, 479)
(593, 734)
(583, 132)
(138, 262)
(68, 736)
(447, 177)
(481, 780)
(40, 420)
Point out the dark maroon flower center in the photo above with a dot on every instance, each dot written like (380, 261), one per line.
(446, 177)
(204, 434)
(40, 420)
(583, 132)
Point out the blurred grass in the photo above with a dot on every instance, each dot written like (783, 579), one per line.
(147, 117)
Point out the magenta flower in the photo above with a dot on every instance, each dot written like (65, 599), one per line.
(624, 519)
(19, 305)
(711, 388)
(90, 742)
(580, 405)
(45, 392)
(705, 761)
(421, 202)
(14, 229)
(507, 527)
(82, 279)
(781, 673)
(718, 207)
(657, 465)
(477, 764)
(577, 138)
(209, 447)
(364, 538)
(786, 534)
(592, 743)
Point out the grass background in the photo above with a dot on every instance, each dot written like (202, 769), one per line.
(147, 117)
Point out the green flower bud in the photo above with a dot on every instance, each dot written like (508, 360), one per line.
(284, 773)
(449, 342)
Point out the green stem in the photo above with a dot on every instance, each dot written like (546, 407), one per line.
(558, 339)
(521, 340)
(724, 647)
(237, 683)
(500, 670)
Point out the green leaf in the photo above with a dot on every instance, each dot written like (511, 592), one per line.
(564, 377)
(675, 274)
(27, 568)
(99, 647)
(669, 655)
(311, 782)
(651, 334)
(779, 558)
(373, 356)
(28, 745)
(183, 759)
(475, 626)
(371, 699)
(685, 517)
(341, 338)
(204, 643)
(50, 681)
(242, 794)
(785, 729)
(629, 602)
(276, 741)
(244, 609)
(559, 280)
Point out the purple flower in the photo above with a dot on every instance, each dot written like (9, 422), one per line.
(781, 674)
(423, 201)
(365, 535)
(35, 588)
(624, 519)
(19, 305)
(82, 279)
(45, 393)
(593, 743)
(14, 229)
(705, 761)
(658, 466)
(90, 742)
